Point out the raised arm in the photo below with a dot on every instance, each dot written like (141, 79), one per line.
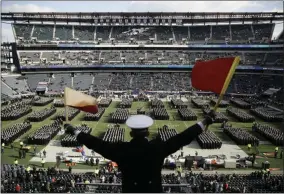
(106, 149)
(186, 137)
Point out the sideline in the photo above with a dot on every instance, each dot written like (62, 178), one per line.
(278, 172)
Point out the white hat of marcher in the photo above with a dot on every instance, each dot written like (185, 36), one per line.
(139, 122)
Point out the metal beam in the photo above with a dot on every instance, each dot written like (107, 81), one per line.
(85, 70)
(119, 184)
(186, 17)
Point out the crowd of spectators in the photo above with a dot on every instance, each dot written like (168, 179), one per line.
(241, 136)
(199, 33)
(133, 57)
(242, 84)
(84, 33)
(141, 81)
(58, 82)
(41, 115)
(241, 33)
(131, 34)
(174, 179)
(71, 141)
(21, 179)
(63, 33)
(170, 82)
(27, 58)
(43, 32)
(16, 85)
(119, 82)
(273, 59)
(23, 30)
(256, 182)
(240, 115)
(262, 31)
(277, 100)
(255, 84)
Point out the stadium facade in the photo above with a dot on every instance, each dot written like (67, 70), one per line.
(142, 43)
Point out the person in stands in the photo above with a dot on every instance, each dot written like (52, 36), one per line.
(70, 169)
(2, 148)
(44, 153)
(42, 163)
(136, 176)
(18, 188)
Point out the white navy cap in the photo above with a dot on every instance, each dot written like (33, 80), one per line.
(139, 122)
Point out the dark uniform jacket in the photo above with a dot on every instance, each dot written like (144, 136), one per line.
(140, 160)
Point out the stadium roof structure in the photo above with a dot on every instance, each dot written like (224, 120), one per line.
(280, 36)
(178, 18)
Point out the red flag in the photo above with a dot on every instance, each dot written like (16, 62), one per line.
(211, 75)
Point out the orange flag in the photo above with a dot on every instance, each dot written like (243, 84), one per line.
(83, 102)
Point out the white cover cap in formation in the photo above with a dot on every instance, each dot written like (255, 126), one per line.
(139, 122)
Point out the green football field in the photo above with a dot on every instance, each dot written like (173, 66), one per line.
(100, 127)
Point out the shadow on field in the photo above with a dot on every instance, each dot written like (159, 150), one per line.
(36, 165)
(13, 156)
(199, 114)
(230, 117)
(221, 135)
(257, 135)
(82, 118)
(153, 135)
(106, 119)
(101, 135)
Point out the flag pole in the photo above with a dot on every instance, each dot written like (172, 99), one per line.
(227, 82)
(66, 107)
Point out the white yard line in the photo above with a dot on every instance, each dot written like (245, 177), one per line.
(171, 125)
(185, 124)
(156, 124)
(96, 124)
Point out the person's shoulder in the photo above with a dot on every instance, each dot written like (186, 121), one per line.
(120, 144)
(156, 142)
